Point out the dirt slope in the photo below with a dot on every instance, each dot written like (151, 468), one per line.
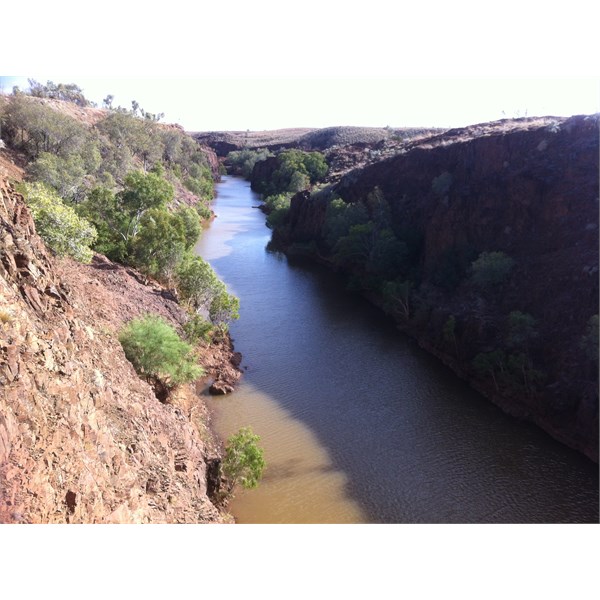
(82, 438)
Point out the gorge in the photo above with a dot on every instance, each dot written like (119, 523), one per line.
(418, 319)
(359, 424)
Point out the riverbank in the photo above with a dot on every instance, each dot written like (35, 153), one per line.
(431, 344)
(512, 405)
(359, 424)
(82, 438)
(413, 229)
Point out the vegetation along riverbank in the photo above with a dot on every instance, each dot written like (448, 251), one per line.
(481, 242)
(110, 326)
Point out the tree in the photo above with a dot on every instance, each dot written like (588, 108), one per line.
(141, 137)
(521, 329)
(340, 217)
(197, 282)
(388, 256)
(521, 374)
(35, 128)
(397, 295)
(102, 210)
(315, 165)
(295, 168)
(491, 363)
(355, 248)
(224, 308)
(244, 461)
(243, 161)
(159, 245)
(277, 206)
(65, 175)
(60, 227)
(141, 192)
(202, 185)
(298, 182)
(67, 92)
(190, 223)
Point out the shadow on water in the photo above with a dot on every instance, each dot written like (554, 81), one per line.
(413, 442)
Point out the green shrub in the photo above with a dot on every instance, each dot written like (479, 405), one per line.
(197, 329)
(156, 351)
(340, 217)
(243, 161)
(190, 222)
(200, 187)
(159, 245)
(296, 170)
(244, 461)
(65, 175)
(58, 224)
(491, 269)
(197, 282)
(224, 308)
(203, 211)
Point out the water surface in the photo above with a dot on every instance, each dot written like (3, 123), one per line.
(360, 425)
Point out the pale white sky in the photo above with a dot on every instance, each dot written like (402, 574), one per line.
(240, 65)
(234, 103)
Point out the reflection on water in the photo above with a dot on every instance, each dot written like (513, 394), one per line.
(358, 424)
(300, 471)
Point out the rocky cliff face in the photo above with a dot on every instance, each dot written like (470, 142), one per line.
(528, 188)
(82, 438)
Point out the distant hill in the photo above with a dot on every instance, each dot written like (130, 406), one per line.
(223, 142)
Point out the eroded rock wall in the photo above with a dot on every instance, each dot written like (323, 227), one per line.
(528, 188)
(82, 438)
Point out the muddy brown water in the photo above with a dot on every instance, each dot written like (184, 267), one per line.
(359, 425)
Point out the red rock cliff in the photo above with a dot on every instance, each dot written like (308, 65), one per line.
(82, 438)
(528, 188)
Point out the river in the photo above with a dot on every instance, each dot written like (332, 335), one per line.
(358, 424)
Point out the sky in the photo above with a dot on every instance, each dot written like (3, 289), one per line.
(264, 64)
(240, 103)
